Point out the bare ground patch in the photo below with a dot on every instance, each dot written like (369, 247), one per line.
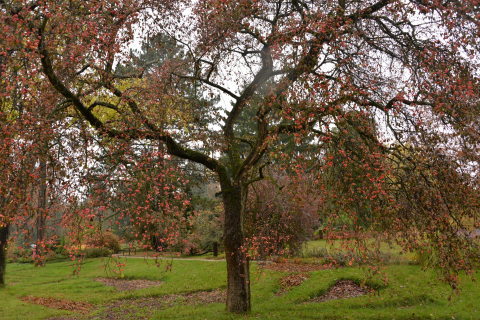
(60, 304)
(142, 308)
(290, 281)
(125, 284)
(133, 308)
(201, 297)
(341, 290)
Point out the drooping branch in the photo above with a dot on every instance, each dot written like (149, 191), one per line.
(173, 147)
(60, 87)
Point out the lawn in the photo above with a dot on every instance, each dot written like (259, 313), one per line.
(317, 248)
(409, 294)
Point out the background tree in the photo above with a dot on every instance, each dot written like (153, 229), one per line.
(282, 212)
(15, 180)
(28, 128)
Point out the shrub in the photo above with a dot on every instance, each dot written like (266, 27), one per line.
(206, 231)
(96, 252)
(425, 258)
(315, 252)
(60, 249)
(19, 254)
(106, 240)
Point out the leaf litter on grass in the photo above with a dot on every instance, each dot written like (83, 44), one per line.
(343, 289)
(126, 284)
(294, 267)
(290, 281)
(142, 308)
(60, 304)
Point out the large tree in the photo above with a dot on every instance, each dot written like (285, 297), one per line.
(299, 66)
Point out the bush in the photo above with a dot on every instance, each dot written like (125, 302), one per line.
(19, 254)
(96, 252)
(425, 258)
(60, 249)
(315, 252)
(206, 231)
(112, 242)
(105, 240)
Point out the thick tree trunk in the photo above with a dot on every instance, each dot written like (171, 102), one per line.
(3, 254)
(238, 273)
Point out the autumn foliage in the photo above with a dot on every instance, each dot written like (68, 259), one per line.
(373, 104)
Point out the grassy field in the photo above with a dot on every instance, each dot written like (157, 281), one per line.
(317, 248)
(409, 294)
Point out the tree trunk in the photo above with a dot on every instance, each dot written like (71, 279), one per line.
(41, 214)
(215, 248)
(3, 254)
(238, 273)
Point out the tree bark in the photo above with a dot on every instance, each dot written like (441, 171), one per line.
(215, 248)
(3, 254)
(41, 213)
(238, 273)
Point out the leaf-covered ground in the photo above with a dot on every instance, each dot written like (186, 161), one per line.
(195, 290)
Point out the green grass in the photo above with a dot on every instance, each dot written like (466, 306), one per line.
(312, 249)
(409, 294)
